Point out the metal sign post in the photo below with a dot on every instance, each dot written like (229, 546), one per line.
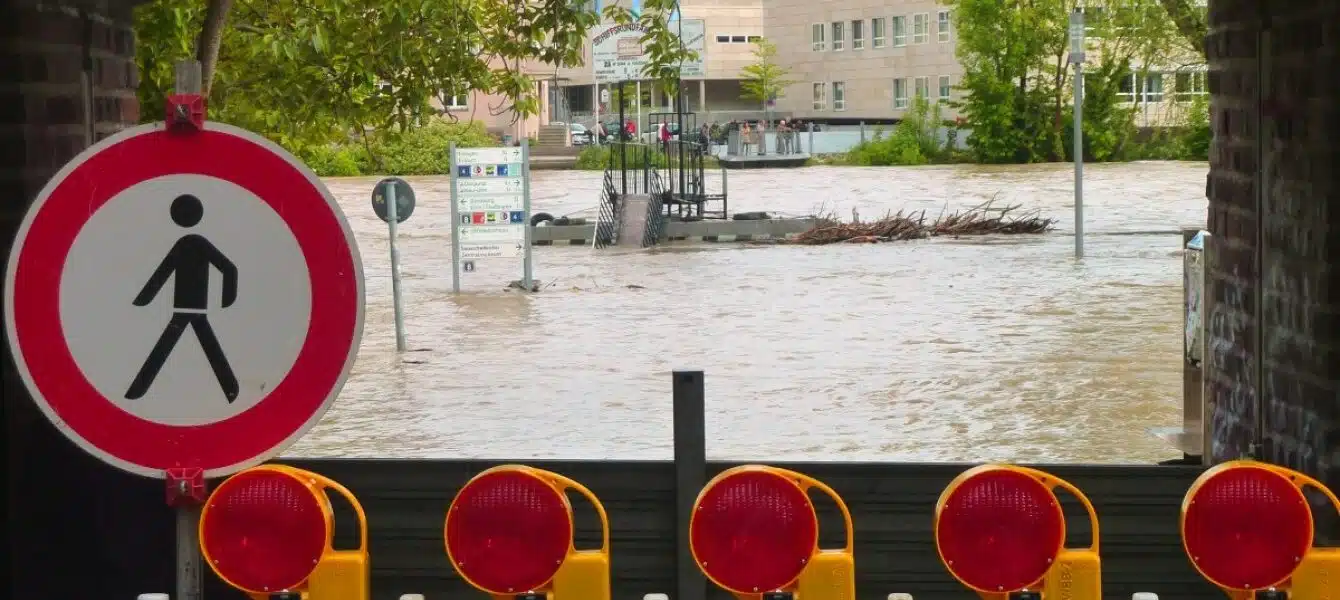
(490, 209)
(456, 226)
(392, 219)
(1077, 58)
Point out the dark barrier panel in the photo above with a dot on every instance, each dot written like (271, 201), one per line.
(891, 504)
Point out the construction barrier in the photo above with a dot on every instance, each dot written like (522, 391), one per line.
(1248, 529)
(1001, 532)
(754, 531)
(509, 532)
(269, 529)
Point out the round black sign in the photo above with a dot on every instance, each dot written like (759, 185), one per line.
(404, 199)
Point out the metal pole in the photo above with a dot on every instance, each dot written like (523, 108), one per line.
(1079, 160)
(190, 584)
(397, 306)
(595, 105)
(679, 102)
(623, 146)
(1077, 39)
(690, 444)
(456, 227)
(638, 91)
(527, 265)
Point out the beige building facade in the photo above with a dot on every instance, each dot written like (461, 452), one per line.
(854, 60)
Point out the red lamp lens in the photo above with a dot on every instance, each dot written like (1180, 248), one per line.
(1247, 528)
(264, 531)
(1000, 531)
(753, 531)
(508, 532)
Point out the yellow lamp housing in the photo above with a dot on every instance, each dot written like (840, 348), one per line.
(237, 502)
(552, 568)
(804, 569)
(1232, 496)
(985, 500)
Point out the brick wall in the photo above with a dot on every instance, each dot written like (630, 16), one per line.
(1281, 314)
(56, 496)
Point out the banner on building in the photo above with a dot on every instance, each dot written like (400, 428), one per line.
(617, 53)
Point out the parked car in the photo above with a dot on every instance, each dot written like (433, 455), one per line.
(581, 136)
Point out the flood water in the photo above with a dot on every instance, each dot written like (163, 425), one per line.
(1000, 348)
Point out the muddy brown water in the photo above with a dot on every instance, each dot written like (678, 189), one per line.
(1001, 348)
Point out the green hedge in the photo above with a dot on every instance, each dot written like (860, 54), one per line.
(421, 151)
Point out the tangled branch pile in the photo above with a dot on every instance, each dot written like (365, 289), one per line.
(979, 220)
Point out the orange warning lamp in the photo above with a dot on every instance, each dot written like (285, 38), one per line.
(754, 533)
(1248, 529)
(509, 533)
(268, 529)
(1000, 531)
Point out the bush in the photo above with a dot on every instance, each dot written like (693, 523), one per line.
(915, 140)
(597, 158)
(423, 150)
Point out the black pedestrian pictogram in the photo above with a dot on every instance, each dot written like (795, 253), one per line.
(189, 261)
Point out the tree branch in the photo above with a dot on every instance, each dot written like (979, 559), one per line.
(1190, 22)
(211, 37)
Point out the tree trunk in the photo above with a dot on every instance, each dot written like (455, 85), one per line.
(211, 37)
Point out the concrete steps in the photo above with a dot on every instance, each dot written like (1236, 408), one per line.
(554, 136)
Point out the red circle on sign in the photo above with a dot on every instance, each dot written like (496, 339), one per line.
(32, 296)
(264, 531)
(1247, 528)
(753, 531)
(508, 532)
(999, 530)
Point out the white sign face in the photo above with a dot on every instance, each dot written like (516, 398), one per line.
(114, 290)
(489, 186)
(492, 234)
(467, 156)
(491, 203)
(491, 251)
(617, 53)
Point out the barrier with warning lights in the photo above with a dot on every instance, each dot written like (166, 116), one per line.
(754, 532)
(267, 531)
(1248, 529)
(509, 533)
(1001, 532)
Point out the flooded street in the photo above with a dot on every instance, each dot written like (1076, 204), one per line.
(941, 350)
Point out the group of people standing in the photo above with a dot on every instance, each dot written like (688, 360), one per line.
(754, 136)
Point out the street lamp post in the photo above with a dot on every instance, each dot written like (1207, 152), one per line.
(1077, 59)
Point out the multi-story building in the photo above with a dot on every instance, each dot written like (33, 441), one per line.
(849, 60)
(862, 60)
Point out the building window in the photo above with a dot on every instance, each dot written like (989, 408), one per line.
(899, 31)
(858, 34)
(877, 32)
(456, 102)
(944, 87)
(942, 27)
(839, 96)
(838, 28)
(921, 28)
(738, 39)
(1126, 89)
(900, 93)
(923, 87)
(754, 39)
(1189, 84)
(820, 96)
(817, 37)
(1153, 87)
(723, 39)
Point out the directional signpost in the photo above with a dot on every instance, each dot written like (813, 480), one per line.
(184, 300)
(490, 208)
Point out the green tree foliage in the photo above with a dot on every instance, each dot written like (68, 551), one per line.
(312, 72)
(1018, 83)
(764, 79)
(914, 141)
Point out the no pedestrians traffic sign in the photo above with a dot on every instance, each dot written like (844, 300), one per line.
(184, 300)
